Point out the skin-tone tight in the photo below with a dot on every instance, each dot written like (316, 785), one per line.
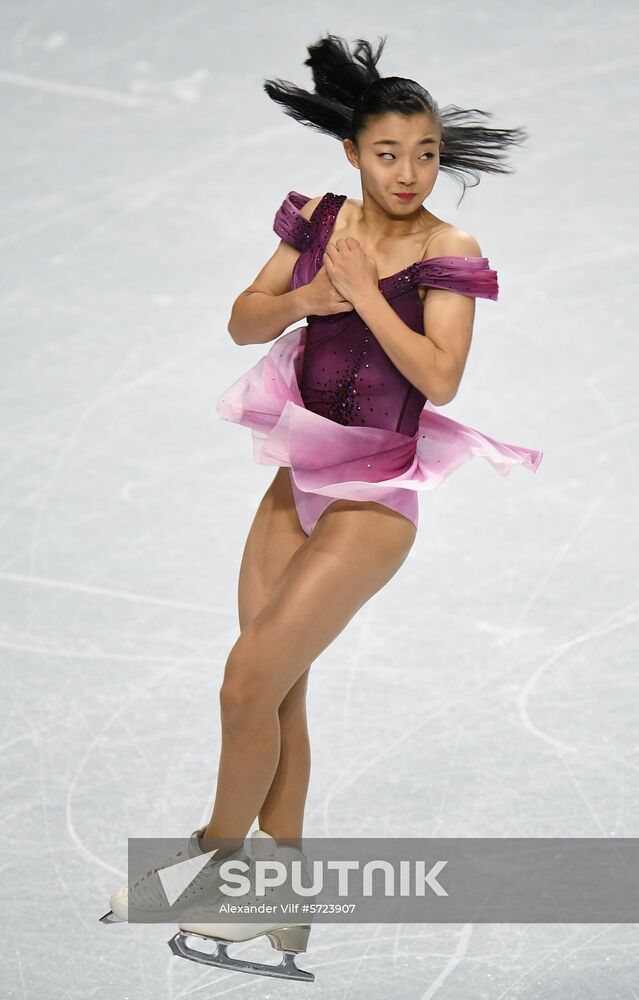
(296, 593)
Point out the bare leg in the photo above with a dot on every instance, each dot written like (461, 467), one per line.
(282, 812)
(275, 538)
(354, 550)
(272, 541)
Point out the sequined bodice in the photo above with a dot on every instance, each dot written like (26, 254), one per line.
(346, 375)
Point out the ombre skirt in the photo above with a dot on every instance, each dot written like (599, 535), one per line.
(330, 461)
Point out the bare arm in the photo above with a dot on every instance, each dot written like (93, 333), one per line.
(264, 310)
(433, 363)
(259, 317)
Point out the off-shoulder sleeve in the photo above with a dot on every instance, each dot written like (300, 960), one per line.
(467, 275)
(290, 225)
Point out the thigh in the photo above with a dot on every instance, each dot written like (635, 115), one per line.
(354, 550)
(274, 537)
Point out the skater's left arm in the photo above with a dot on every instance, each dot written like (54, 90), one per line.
(433, 363)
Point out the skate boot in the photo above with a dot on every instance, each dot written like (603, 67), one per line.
(147, 898)
(289, 937)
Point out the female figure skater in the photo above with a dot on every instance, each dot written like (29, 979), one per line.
(345, 406)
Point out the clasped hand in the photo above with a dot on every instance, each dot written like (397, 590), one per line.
(351, 270)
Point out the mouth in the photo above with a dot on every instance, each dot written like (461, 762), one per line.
(405, 196)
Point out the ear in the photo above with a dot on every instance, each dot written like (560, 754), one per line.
(351, 152)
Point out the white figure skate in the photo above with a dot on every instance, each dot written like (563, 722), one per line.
(147, 895)
(288, 937)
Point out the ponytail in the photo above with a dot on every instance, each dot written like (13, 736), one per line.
(349, 92)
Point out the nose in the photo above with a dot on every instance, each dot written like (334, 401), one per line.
(406, 177)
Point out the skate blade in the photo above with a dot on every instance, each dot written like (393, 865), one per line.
(287, 969)
(110, 918)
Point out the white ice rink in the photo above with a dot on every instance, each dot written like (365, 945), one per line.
(490, 690)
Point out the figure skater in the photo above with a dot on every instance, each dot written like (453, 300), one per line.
(346, 407)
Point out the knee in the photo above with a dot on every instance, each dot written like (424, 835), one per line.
(244, 694)
(240, 699)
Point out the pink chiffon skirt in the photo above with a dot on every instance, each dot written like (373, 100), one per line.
(330, 461)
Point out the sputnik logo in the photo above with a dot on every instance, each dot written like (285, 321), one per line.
(177, 877)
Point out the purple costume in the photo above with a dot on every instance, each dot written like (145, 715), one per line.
(327, 400)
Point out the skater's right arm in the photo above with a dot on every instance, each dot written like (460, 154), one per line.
(260, 315)
(269, 305)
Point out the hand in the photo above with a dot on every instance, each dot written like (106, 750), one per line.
(351, 270)
(322, 298)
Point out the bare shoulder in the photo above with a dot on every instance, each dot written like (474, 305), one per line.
(307, 209)
(453, 242)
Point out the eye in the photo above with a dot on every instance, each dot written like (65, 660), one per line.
(430, 155)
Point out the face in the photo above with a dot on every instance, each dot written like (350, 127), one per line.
(398, 154)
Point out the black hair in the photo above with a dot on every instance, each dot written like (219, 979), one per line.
(349, 92)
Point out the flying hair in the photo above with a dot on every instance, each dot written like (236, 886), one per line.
(349, 92)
